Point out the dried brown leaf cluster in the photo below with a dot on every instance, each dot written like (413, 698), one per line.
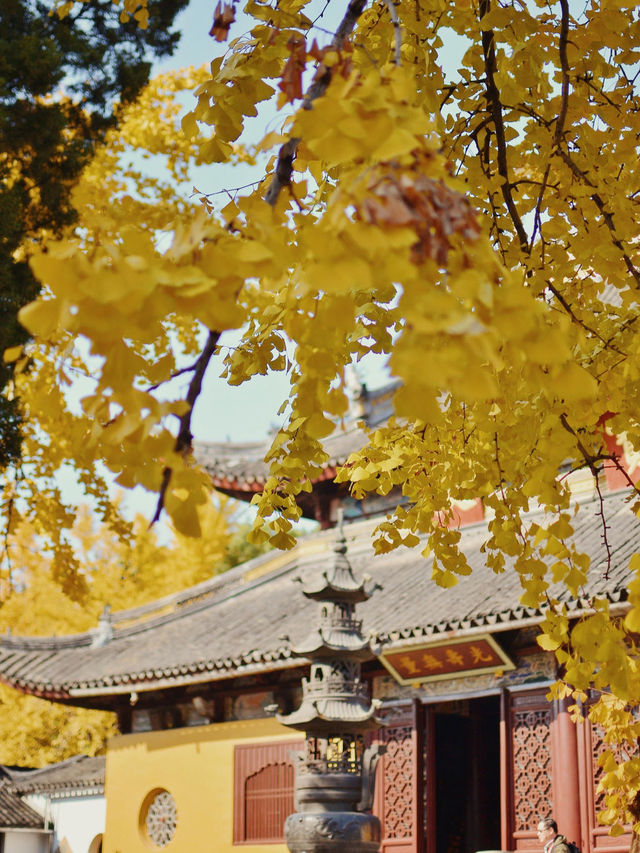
(223, 17)
(435, 211)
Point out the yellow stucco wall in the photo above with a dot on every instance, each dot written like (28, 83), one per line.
(196, 766)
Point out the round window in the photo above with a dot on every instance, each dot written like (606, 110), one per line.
(158, 817)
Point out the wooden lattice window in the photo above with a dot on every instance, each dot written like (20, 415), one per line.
(263, 791)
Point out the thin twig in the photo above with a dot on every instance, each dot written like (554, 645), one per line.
(589, 84)
(287, 153)
(397, 31)
(173, 376)
(619, 331)
(622, 470)
(607, 217)
(575, 319)
(591, 461)
(227, 191)
(317, 18)
(562, 115)
(500, 474)
(605, 526)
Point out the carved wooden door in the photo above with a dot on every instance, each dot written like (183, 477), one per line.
(399, 800)
(596, 838)
(527, 768)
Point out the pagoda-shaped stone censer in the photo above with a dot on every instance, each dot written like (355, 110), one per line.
(335, 775)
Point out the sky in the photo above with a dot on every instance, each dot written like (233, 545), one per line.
(247, 412)
(224, 413)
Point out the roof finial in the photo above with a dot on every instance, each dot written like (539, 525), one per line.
(104, 632)
(340, 543)
(341, 568)
(357, 393)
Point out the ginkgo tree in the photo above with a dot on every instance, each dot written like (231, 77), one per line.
(115, 572)
(474, 220)
(60, 78)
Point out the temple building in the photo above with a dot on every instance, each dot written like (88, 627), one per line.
(203, 681)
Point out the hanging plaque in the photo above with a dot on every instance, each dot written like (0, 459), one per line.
(446, 659)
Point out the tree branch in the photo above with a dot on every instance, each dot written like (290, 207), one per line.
(483, 157)
(564, 65)
(589, 458)
(184, 436)
(495, 110)
(287, 153)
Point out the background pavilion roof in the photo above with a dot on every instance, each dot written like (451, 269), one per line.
(81, 774)
(238, 467)
(239, 623)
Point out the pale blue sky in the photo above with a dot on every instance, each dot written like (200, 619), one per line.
(245, 412)
(248, 412)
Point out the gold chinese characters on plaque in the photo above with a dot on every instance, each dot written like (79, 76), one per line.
(446, 659)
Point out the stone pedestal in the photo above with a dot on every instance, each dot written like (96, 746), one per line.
(332, 832)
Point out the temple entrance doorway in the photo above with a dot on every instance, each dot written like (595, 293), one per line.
(466, 776)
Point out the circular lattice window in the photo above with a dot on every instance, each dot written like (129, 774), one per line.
(159, 818)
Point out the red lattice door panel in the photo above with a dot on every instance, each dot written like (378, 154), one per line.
(591, 747)
(399, 801)
(529, 766)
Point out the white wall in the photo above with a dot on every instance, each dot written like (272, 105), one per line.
(78, 819)
(25, 841)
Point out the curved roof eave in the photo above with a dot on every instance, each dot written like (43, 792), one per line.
(146, 681)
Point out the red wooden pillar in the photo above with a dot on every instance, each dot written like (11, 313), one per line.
(566, 777)
(505, 773)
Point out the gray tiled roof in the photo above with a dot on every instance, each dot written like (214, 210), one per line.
(242, 464)
(234, 623)
(81, 773)
(14, 812)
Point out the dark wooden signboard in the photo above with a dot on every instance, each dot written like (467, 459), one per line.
(446, 659)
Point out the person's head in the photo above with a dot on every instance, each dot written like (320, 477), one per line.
(547, 829)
